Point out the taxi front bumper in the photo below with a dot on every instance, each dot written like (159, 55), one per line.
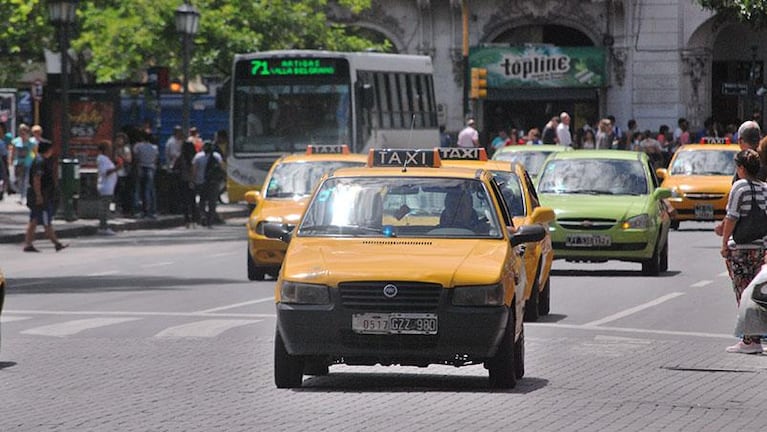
(699, 207)
(464, 335)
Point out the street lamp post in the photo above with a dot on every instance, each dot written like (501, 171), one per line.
(187, 22)
(62, 15)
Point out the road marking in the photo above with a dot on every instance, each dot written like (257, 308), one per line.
(701, 284)
(633, 310)
(222, 254)
(40, 282)
(724, 274)
(140, 314)
(633, 330)
(106, 273)
(206, 328)
(72, 327)
(7, 319)
(159, 264)
(232, 306)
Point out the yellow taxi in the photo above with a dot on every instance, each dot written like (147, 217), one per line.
(402, 262)
(699, 177)
(283, 198)
(522, 201)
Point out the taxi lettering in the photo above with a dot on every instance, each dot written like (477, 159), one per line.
(403, 158)
(455, 153)
(715, 140)
(327, 149)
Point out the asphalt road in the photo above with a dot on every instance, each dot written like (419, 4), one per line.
(161, 331)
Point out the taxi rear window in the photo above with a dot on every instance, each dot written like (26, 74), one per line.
(298, 179)
(401, 207)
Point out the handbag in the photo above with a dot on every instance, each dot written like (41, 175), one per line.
(753, 225)
(759, 294)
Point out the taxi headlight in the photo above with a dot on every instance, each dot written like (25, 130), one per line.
(478, 295)
(637, 222)
(301, 293)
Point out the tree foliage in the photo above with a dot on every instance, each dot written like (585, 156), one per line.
(753, 12)
(117, 40)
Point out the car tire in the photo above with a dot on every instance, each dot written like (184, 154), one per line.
(288, 369)
(531, 305)
(254, 272)
(501, 367)
(651, 267)
(664, 258)
(544, 302)
(519, 356)
(674, 224)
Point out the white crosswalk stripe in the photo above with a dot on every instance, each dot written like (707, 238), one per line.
(205, 328)
(69, 328)
(6, 319)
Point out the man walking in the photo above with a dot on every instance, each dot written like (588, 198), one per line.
(41, 197)
(145, 155)
(564, 137)
(468, 137)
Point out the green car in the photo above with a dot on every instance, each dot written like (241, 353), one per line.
(609, 206)
(531, 156)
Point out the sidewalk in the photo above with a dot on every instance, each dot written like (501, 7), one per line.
(14, 218)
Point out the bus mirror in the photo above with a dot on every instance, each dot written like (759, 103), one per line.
(367, 96)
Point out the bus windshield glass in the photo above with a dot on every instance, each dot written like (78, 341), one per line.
(298, 179)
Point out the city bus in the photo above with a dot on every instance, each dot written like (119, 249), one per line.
(282, 101)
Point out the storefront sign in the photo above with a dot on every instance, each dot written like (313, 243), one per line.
(540, 66)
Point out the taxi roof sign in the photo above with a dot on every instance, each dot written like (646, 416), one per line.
(404, 158)
(327, 149)
(715, 140)
(459, 153)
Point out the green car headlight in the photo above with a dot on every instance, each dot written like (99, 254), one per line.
(637, 222)
(301, 293)
(478, 295)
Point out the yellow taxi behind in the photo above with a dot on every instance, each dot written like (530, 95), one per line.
(283, 198)
(699, 177)
(522, 201)
(402, 262)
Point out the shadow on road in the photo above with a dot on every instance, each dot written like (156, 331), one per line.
(611, 273)
(7, 364)
(412, 383)
(84, 284)
(550, 318)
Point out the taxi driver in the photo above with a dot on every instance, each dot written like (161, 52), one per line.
(459, 211)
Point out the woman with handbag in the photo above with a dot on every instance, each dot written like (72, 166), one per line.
(743, 235)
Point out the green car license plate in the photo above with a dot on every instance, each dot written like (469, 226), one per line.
(587, 240)
(394, 323)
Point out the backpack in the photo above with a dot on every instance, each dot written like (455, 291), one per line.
(214, 172)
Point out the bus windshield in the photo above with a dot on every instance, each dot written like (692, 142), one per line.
(288, 117)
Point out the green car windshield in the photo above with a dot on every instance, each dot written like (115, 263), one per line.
(705, 163)
(594, 177)
(298, 179)
(532, 160)
(401, 207)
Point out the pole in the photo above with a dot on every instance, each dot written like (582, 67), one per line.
(65, 128)
(465, 50)
(185, 84)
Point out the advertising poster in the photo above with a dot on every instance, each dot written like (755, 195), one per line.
(540, 66)
(90, 122)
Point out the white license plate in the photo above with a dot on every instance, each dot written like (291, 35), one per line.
(588, 240)
(704, 211)
(394, 323)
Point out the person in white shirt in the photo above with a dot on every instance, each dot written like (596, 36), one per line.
(173, 146)
(107, 180)
(563, 130)
(468, 137)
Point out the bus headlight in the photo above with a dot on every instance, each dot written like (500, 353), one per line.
(478, 295)
(301, 293)
(641, 221)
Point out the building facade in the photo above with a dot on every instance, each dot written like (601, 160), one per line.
(650, 60)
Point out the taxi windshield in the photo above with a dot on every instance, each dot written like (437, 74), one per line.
(594, 177)
(532, 160)
(402, 207)
(704, 162)
(298, 179)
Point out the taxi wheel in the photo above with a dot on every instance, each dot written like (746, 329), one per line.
(531, 305)
(254, 272)
(544, 302)
(503, 371)
(288, 369)
(664, 258)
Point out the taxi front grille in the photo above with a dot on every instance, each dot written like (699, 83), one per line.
(586, 224)
(704, 196)
(410, 296)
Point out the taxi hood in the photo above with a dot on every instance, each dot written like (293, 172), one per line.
(720, 184)
(448, 262)
(615, 207)
(282, 210)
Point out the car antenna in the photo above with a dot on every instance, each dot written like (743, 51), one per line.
(409, 140)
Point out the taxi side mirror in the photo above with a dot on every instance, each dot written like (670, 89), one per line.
(543, 215)
(528, 234)
(661, 173)
(252, 197)
(275, 230)
(661, 193)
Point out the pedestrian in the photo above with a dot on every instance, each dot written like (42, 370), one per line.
(564, 137)
(500, 141)
(207, 173)
(123, 157)
(745, 259)
(194, 137)
(24, 153)
(41, 197)
(173, 146)
(172, 183)
(444, 137)
(588, 141)
(3, 161)
(183, 169)
(604, 137)
(468, 137)
(106, 183)
(533, 137)
(145, 156)
(549, 135)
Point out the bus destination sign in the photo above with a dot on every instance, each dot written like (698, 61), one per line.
(292, 67)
